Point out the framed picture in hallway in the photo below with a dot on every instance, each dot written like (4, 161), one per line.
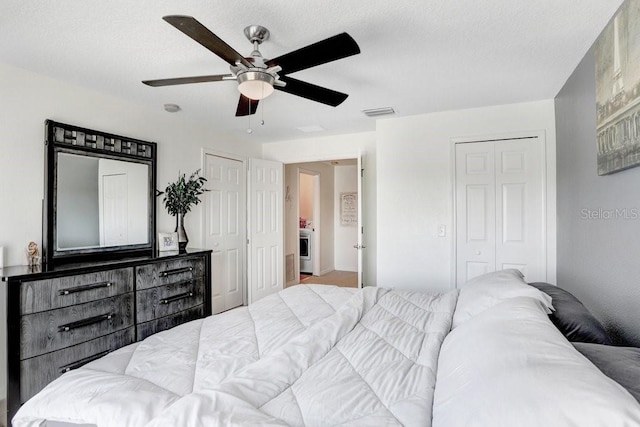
(618, 91)
(349, 208)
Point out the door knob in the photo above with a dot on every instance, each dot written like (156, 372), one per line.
(478, 253)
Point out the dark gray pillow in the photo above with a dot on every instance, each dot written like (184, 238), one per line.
(621, 364)
(572, 318)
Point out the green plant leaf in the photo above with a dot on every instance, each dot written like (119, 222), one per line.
(181, 195)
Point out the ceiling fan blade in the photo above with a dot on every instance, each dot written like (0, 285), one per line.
(187, 80)
(194, 29)
(246, 106)
(312, 92)
(331, 49)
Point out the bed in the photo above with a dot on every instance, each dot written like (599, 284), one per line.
(321, 355)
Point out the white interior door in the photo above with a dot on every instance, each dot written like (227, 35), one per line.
(475, 206)
(500, 208)
(360, 246)
(266, 228)
(520, 207)
(114, 212)
(225, 207)
(316, 230)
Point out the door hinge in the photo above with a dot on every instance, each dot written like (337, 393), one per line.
(362, 173)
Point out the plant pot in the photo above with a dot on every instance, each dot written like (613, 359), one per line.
(182, 233)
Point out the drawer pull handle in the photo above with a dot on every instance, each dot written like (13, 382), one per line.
(181, 282)
(78, 363)
(83, 288)
(176, 298)
(85, 322)
(175, 271)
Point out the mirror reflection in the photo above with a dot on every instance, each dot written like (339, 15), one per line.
(100, 202)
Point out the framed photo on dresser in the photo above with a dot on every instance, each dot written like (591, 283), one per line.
(167, 242)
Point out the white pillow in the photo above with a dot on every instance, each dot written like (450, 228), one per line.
(510, 366)
(483, 292)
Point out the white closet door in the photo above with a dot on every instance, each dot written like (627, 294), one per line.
(475, 205)
(520, 237)
(500, 208)
(225, 230)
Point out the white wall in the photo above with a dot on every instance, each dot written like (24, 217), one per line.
(415, 194)
(348, 146)
(305, 192)
(77, 201)
(28, 99)
(346, 257)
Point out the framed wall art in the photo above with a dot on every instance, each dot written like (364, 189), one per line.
(349, 208)
(618, 91)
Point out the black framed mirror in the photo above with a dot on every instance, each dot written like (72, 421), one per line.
(99, 195)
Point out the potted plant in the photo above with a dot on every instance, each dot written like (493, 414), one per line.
(179, 197)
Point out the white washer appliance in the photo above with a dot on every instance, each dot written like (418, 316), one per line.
(306, 249)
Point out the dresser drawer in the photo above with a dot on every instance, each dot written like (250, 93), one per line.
(56, 329)
(167, 272)
(41, 295)
(143, 330)
(162, 301)
(37, 372)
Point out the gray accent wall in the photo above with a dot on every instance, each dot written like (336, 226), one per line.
(598, 216)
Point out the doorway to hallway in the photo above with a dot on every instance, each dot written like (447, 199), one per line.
(313, 193)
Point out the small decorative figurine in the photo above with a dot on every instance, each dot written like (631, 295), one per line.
(33, 254)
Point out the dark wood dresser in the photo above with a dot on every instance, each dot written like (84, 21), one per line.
(61, 318)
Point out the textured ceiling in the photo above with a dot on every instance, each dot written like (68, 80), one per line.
(418, 56)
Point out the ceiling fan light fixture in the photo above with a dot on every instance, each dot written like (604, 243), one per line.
(255, 84)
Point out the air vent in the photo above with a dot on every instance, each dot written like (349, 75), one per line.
(375, 112)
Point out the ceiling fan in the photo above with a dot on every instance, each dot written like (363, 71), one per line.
(256, 76)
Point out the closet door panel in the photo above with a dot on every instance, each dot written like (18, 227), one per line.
(475, 202)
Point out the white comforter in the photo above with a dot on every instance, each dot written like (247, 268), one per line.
(323, 356)
(310, 355)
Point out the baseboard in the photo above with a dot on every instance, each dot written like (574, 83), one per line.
(327, 271)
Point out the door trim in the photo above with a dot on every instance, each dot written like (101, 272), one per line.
(203, 229)
(541, 136)
(354, 154)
